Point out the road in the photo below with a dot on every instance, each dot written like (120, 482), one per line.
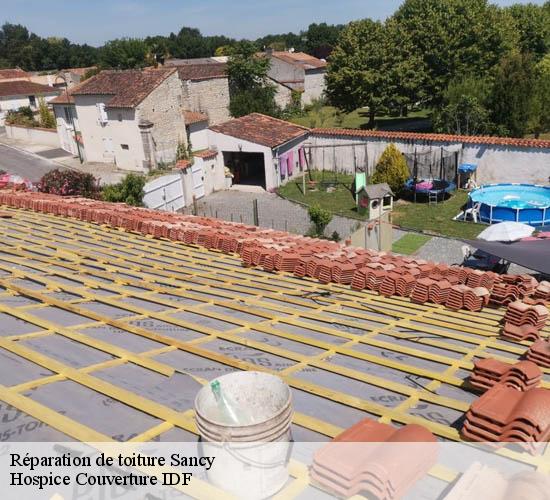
(26, 165)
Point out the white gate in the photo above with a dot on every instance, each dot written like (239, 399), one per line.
(198, 179)
(164, 193)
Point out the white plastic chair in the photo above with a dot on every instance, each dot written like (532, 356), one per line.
(466, 251)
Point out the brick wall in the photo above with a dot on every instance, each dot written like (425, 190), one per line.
(209, 96)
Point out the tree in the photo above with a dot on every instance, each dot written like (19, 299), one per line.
(356, 74)
(539, 121)
(391, 168)
(512, 94)
(129, 190)
(454, 38)
(320, 39)
(124, 53)
(47, 120)
(320, 218)
(532, 23)
(249, 89)
(464, 109)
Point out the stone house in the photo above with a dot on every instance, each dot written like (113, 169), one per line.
(297, 71)
(205, 98)
(131, 118)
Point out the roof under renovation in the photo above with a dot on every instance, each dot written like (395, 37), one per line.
(107, 334)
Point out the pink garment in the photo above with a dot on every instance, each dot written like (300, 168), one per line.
(425, 185)
(290, 166)
(283, 165)
(302, 158)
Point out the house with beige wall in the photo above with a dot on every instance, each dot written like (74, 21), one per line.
(131, 118)
(297, 71)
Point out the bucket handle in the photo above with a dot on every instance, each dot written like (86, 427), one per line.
(260, 465)
(246, 461)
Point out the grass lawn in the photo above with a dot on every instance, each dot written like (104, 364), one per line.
(328, 117)
(432, 219)
(436, 219)
(339, 202)
(410, 243)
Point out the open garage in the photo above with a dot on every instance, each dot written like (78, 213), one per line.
(260, 150)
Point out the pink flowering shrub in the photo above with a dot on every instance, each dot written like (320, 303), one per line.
(69, 183)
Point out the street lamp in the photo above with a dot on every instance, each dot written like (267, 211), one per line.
(71, 118)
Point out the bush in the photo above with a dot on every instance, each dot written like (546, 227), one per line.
(24, 117)
(47, 120)
(129, 191)
(69, 183)
(320, 218)
(391, 168)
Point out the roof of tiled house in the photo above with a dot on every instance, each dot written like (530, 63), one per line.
(65, 98)
(6, 74)
(261, 129)
(202, 71)
(22, 87)
(301, 59)
(194, 117)
(415, 136)
(128, 88)
(205, 154)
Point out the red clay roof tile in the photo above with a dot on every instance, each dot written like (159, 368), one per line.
(128, 88)
(8, 74)
(261, 129)
(22, 87)
(195, 72)
(416, 136)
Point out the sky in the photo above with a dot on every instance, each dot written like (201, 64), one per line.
(96, 21)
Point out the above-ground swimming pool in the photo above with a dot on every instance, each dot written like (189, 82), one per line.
(527, 203)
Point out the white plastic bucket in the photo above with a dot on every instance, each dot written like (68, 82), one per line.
(250, 460)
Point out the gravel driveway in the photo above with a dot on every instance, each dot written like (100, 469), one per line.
(273, 211)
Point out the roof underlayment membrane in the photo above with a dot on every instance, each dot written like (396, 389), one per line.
(108, 335)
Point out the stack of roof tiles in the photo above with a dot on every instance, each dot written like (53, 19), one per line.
(326, 261)
(539, 353)
(543, 291)
(464, 297)
(504, 414)
(522, 376)
(384, 469)
(421, 291)
(524, 321)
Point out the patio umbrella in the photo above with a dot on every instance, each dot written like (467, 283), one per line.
(530, 254)
(506, 231)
